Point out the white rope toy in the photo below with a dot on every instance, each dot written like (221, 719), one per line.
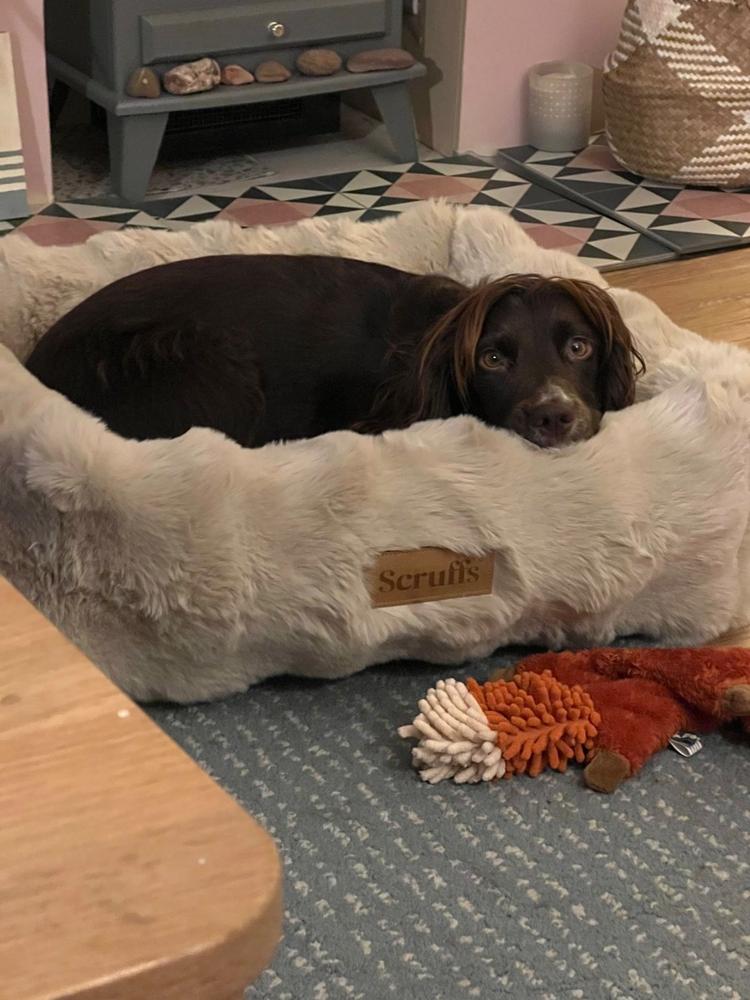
(454, 738)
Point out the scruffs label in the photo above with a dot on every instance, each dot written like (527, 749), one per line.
(418, 575)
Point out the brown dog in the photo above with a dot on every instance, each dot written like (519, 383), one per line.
(267, 347)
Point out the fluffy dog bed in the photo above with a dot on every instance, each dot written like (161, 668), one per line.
(191, 568)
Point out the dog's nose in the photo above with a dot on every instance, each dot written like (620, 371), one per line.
(551, 422)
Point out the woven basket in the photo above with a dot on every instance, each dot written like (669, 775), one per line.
(677, 91)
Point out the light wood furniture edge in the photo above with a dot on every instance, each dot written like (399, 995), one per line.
(126, 871)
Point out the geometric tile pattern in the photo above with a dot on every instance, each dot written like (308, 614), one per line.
(551, 220)
(270, 205)
(54, 230)
(684, 219)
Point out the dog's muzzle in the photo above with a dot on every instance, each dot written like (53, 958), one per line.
(554, 416)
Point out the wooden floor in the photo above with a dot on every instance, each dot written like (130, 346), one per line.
(710, 294)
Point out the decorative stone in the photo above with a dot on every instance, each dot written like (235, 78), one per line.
(271, 72)
(236, 76)
(319, 62)
(192, 77)
(143, 82)
(375, 59)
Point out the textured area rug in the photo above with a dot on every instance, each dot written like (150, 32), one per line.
(524, 888)
(80, 164)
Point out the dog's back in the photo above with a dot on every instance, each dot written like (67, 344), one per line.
(258, 347)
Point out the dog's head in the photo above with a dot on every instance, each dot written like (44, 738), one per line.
(544, 357)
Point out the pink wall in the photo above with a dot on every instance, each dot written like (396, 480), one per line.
(24, 19)
(504, 38)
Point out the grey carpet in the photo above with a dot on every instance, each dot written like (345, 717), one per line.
(525, 888)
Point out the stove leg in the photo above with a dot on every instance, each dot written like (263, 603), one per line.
(134, 142)
(394, 105)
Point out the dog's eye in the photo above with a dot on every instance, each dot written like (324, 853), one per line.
(493, 360)
(578, 348)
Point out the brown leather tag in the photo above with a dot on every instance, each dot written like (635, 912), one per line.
(414, 576)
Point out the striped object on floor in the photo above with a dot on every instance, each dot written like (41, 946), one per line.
(13, 200)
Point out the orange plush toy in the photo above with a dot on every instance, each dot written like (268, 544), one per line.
(608, 708)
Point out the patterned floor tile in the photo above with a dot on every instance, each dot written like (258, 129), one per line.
(457, 179)
(370, 194)
(119, 217)
(599, 241)
(261, 207)
(686, 220)
(73, 222)
(265, 204)
(194, 207)
(57, 231)
(555, 223)
(86, 210)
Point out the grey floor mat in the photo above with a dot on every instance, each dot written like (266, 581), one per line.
(526, 888)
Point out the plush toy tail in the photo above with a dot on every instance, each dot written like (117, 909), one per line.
(713, 680)
(647, 695)
(476, 732)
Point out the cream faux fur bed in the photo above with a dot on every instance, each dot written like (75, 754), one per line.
(192, 568)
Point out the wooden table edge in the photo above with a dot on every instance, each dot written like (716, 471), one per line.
(219, 971)
(218, 966)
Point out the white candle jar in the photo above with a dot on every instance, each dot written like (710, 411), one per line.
(560, 105)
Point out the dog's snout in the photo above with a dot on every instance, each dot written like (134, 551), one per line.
(553, 418)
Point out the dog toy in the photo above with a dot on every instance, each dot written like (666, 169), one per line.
(610, 709)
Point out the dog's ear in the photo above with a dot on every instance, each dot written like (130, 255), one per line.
(621, 363)
(435, 307)
(448, 356)
(422, 385)
(434, 392)
(415, 392)
(619, 376)
(623, 366)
